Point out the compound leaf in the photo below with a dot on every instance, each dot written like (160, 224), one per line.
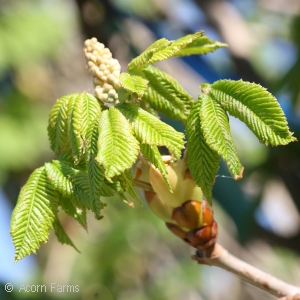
(150, 130)
(34, 214)
(166, 95)
(61, 235)
(216, 131)
(203, 162)
(254, 106)
(117, 147)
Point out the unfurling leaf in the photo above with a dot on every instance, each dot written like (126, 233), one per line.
(254, 106)
(203, 162)
(34, 214)
(150, 130)
(166, 95)
(126, 182)
(216, 131)
(117, 147)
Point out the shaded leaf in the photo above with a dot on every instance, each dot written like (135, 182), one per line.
(34, 214)
(150, 130)
(117, 147)
(126, 182)
(166, 95)
(203, 162)
(62, 235)
(254, 106)
(216, 131)
(152, 155)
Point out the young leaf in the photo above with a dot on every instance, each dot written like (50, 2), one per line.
(62, 235)
(216, 131)
(256, 107)
(95, 173)
(133, 83)
(34, 214)
(152, 155)
(200, 45)
(126, 182)
(70, 208)
(203, 162)
(166, 95)
(196, 43)
(84, 112)
(63, 178)
(117, 147)
(58, 125)
(150, 130)
(143, 59)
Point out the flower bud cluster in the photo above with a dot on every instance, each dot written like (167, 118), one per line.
(186, 213)
(105, 70)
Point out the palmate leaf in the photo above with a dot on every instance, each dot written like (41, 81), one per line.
(150, 130)
(166, 95)
(256, 107)
(203, 162)
(216, 131)
(117, 147)
(133, 83)
(196, 43)
(152, 155)
(62, 235)
(34, 214)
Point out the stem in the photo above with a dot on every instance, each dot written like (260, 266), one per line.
(220, 257)
(143, 185)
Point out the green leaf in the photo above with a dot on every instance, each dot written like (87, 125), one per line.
(77, 213)
(117, 147)
(58, 125)
(256, 107)
(66, 181)
(143, 59)
(62, 235)
(203, 162)
(133, 83)
(200, 45)
(196, 43)
(69, 123)
(34, 214)
(166, 95)
(216, 131)
(126, 182)
(84, 112)
(150, 130)
(152, 155)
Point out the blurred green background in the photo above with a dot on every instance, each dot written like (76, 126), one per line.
(130, 254)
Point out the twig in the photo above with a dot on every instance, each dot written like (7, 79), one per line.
(220, 257)
(143, 185)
